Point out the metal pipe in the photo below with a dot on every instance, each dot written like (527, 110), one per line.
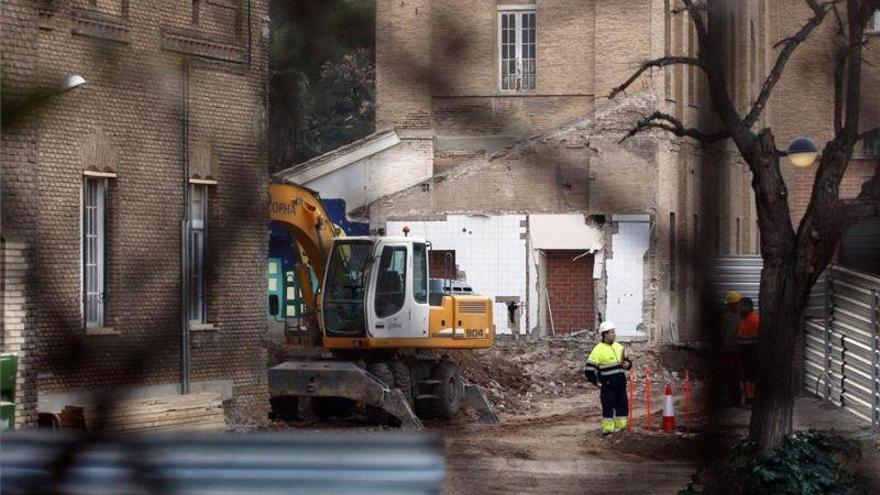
(184, 235)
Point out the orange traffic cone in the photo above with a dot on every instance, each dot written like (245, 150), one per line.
(668, 424)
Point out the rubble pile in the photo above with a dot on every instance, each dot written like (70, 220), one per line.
(518, 373)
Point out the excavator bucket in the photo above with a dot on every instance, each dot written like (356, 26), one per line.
(476, 400)
(340, 379)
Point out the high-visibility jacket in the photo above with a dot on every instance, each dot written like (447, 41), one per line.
(747, 330)
(606, 365)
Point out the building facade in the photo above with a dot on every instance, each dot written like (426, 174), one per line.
(133, 206)
(500, 145)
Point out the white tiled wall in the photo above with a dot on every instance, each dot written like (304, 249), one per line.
(626, 272)
(490, 252)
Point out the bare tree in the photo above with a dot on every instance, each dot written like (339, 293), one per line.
(793, 257)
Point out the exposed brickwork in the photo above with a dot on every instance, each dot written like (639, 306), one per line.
(570, 287)
(135, 96)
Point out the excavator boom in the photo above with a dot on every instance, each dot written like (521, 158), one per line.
(300, 210)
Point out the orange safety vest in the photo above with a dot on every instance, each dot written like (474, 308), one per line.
(747, 330)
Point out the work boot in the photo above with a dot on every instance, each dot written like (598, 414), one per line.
(607, 426)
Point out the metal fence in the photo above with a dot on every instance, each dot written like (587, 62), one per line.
(741, 273)
(842, 341)
(229, 463)
(842, 331)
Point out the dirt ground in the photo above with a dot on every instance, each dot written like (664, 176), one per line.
(548, 439)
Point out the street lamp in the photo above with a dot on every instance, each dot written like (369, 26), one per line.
(70, 82)
(801, 152)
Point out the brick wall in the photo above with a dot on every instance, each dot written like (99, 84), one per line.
(570, 287)
(134, 100)
(21, 103)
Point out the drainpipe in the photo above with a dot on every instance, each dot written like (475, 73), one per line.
(184, 235)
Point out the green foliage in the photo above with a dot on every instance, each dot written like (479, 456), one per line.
(807, 463)
(321, 76)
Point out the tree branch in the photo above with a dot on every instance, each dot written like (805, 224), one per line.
(660, 120)
(788, 47)
(660, 62)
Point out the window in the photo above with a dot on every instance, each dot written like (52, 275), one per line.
(94, 250)
(420, 273)
(870, 148)
(874, 25)
(517, 49)
(391, 281)
(198, 221)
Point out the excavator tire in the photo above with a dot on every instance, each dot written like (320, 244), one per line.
(449, 391)
(376, 415)
(402, 378)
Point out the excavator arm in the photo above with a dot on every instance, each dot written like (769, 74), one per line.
(300, 210)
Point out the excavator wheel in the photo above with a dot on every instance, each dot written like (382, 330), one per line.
(449, 391)
(376, 415)
(402, 378)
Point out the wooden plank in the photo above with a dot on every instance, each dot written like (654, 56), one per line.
(212, 418)
(155, 420)
(131, 413)
(175, 400)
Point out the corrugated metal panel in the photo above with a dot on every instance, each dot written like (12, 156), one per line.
(276, 463)
(842, 344)
(739, 273)
(860, 245)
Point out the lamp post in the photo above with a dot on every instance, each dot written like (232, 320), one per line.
(70, 82)
(801, 152)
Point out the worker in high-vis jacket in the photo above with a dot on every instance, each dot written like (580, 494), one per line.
(606, 368)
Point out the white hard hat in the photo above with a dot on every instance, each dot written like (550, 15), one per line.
(606, 325)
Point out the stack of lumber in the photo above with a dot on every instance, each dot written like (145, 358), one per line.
(173, 413)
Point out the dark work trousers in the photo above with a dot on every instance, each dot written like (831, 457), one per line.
(614, 400)
(748, 355)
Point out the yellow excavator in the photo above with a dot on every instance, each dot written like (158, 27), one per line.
(387, 325)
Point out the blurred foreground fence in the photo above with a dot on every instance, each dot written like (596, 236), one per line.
(842, 341)
(223, 463)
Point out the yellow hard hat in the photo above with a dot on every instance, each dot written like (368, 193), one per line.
(732, 297)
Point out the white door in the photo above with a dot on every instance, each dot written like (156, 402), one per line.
(397, 309)
(626, 274)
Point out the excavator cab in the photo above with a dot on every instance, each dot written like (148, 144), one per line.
(376, 288)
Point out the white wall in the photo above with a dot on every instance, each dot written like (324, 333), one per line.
(489, 250)
(386, 172)
(626, 274)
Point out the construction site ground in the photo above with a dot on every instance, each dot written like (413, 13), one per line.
(548, 440)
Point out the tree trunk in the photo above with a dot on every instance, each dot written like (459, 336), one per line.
(782, 304)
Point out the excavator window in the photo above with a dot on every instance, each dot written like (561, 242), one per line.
(420, 273)
(345, 288)
(391, 283)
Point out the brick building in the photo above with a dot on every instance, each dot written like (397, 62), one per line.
(116, 194)
(506, 151)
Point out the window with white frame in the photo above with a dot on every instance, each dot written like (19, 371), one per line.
(94, 250)
(198, 211)
(517, 41)
(870, 146)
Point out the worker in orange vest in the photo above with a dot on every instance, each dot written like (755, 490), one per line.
(747, 342)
